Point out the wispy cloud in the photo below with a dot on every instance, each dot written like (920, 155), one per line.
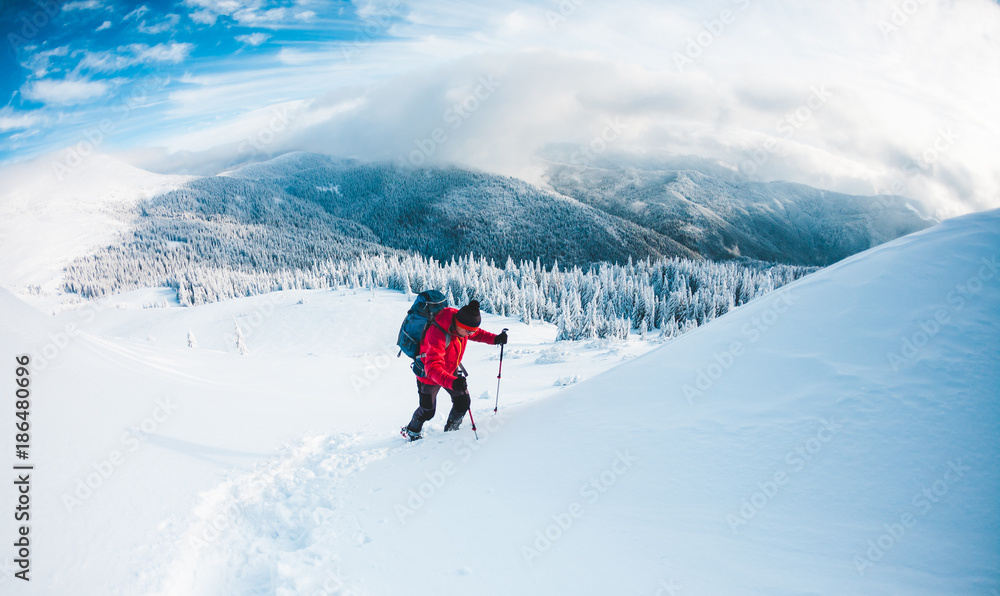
(204, 17)
(11, 119)
(84, 5)
(248, 13)
(167, 23)
(134, 54)
(40, 63)
(253, 39)
(163, 52)
(261, 18)
(137, 13)
(64, 92)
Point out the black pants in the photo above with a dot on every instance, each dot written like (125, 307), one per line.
(460, 403)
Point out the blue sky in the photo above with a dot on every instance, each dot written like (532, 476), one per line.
(75, 63)
(862, 96)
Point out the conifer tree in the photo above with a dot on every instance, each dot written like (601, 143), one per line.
(241, 345)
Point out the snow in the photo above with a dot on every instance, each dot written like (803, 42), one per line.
(49, 216)
(837, 436)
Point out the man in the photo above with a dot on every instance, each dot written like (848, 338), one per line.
(442, 350)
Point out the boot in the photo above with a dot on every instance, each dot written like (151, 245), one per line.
(454, 422)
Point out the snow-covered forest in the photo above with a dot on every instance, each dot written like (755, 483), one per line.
(605, 300)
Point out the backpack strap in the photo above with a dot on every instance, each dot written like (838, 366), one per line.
(460, 371)
(447, 336)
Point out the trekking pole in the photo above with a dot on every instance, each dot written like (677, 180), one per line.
(473, 420)
(499, 370)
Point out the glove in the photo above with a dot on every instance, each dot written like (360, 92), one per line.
(500, 339)
(460, 384)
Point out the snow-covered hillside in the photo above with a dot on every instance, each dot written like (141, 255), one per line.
(837, 436)
(49, 216)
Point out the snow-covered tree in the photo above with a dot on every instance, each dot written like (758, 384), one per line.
(241, 345)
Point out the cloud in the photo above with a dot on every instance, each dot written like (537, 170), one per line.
(84, 5)
(163, 52)
(204, 17)
(294, 57)
(134, 54)
(498, 112)
(11, 119)
(818, 95)
(137, 13)
(104, 25)
(253, 39)
(168, 23)
(64, 92)
(248, 13)
(40, 63)
(261, 18)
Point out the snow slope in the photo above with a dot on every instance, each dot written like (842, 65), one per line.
(622, 486)
(838, 436)
(50, 216)
(131, 426)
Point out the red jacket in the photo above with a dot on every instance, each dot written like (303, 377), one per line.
(440, 361)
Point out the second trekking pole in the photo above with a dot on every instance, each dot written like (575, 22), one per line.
(499, 371)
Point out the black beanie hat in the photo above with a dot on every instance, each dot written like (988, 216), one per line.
(468, 315)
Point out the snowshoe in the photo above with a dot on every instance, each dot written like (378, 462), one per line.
(452, 425)
(409, 435)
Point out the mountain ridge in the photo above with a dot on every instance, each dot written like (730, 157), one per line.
(634, 212)
(723, 218)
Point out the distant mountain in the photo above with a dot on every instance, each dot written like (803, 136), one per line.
(264, 222)
(443, 212)
(720, 217)
(622, 212)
